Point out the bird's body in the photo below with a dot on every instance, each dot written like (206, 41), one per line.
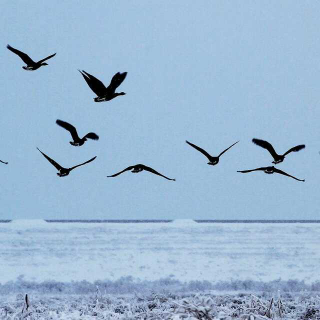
(138, 168)
(271, 170)
(3, 162)
(77, 141)
(277, 157)
(63, 171)
(30, 64)
(104, 93)
(212, 160)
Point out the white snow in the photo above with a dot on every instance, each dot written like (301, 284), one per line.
(161, 307)
(27, 222)
(184, 222)
(175, 270)
(40, 251)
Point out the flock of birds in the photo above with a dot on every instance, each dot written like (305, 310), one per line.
(108, 93)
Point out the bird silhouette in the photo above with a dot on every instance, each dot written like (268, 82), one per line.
(3, 162)
(212, 160)
(271, 170)
(73, 131)
(31, 65)
(103, 93)
(277, 157)
(63, 171)
(138, 168)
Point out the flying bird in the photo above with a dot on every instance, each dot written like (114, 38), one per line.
(3, 162)
(63, 171)
(31, 65)
(103, 93)
(73, 131)
(271, 170)
(138, 168)
(212, 160)
(277, 157)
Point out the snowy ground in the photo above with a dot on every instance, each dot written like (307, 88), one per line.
(181, 250)
(178, 270)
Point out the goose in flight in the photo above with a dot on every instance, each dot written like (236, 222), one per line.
(63, 171)
(73, 131)
(3, 162)
(212, 160)
(277, 157)
(31, 65)
(271, 170)
(138, 168)
(103, 93)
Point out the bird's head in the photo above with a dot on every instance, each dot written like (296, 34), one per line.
(44, 64)
(121, 93)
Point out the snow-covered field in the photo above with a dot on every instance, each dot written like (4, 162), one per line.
(181, 250)
(163, 306)
(102, 266)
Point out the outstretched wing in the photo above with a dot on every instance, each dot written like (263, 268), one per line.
(116, 174)
(155, 172)
(227, 149)
(258, 169)
(286, 174)
(3, 162)
(47, 58)
(266, 145)
(69, 127)
(55, 164)
(116, 80)
(91, 135)
(81, 164)
(296, 149)
(96, 85)
(199, 149)
(26, 59)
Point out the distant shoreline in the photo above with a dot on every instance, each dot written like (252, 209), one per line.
(167, 221)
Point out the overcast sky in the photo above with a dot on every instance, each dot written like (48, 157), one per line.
(211, 72)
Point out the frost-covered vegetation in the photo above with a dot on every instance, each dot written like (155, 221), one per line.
(130, 285)
(207, 306)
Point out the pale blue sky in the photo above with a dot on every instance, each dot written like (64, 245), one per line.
(211, 72)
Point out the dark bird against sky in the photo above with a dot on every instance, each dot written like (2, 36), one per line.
(271, 170)
(103, 93)
(73, 131)
(3, 162)
(277, 157)
(30, 64)
(138, 168)
(63, 171)
(212, 160)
